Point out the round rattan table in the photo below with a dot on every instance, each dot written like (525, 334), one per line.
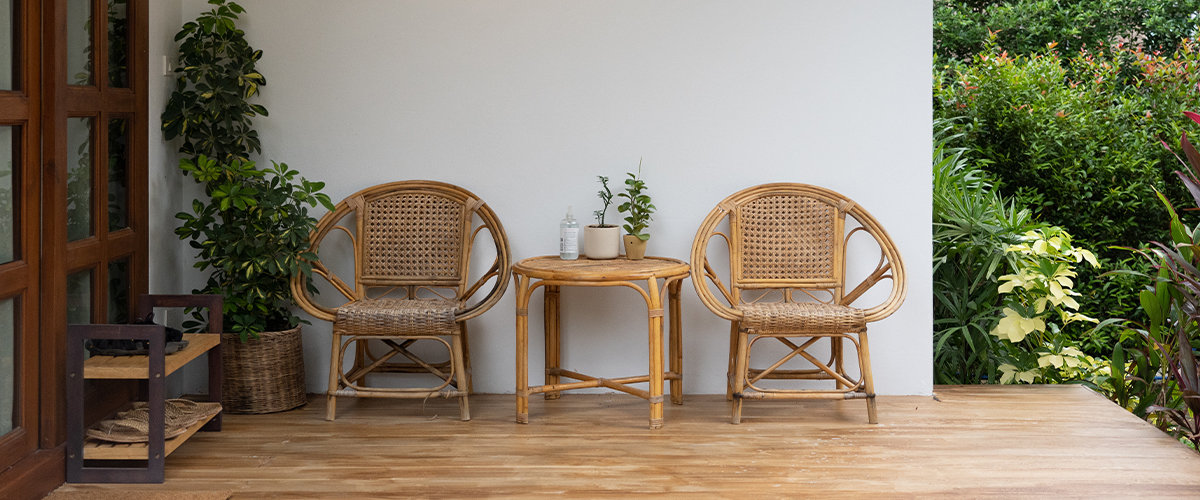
(662, 276)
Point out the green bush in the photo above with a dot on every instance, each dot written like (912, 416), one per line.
(1026, 26)
(1076, 139)
(972, 225)
(1039, 300)
(1002, 285)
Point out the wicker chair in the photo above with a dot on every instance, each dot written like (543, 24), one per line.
(787, 280)
(412, 244)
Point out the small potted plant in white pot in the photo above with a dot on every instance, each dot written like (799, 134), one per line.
(638, 207)
(600, 240)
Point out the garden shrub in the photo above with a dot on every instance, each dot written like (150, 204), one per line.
(1039, 300)
(960, 27)
(972, 225)
(1076, 139)
(1003, 284)
(1164, 378)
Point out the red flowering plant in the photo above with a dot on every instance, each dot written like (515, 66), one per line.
(1172, 306)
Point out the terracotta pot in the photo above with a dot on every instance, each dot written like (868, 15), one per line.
(635, 248)
(601, 242)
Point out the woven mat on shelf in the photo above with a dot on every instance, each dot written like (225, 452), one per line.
(133, 426)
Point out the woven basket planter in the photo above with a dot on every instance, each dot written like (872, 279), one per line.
(263, 375)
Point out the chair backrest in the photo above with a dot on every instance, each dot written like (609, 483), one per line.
(791, 236)
(785, 239)
(412, 235)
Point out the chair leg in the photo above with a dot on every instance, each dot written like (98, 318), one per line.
(335, 371)
(460, 372)
(742, 360)
(837, 347)
(864, 365)
(466, 354)
(359, 361)
(733, 341)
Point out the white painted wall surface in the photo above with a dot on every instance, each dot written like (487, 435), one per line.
(524, 102)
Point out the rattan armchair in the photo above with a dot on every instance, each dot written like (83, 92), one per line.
(787, 281)
(412, 249)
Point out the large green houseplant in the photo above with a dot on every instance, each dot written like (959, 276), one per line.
(251, 230)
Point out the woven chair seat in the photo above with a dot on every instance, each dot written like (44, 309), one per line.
(397, 317)
(808, 318)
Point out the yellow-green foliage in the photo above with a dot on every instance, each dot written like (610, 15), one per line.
(1039, 300)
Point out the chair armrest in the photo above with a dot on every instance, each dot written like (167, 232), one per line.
(501, 268)
(701, 272)
(891, 266)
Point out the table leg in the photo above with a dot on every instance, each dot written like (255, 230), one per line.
(522, 348)
(655, 314)
(553, 330)
(676, 344)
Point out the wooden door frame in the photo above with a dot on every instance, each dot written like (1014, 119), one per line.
(24, 101)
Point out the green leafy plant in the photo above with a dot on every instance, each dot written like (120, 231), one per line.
(251, 233)
(606, 196)
(972, 225)
(1164, 380)
(637, 205)
(1171, 304)
(1130, 380)
(1039, 301)
(1162, 383)
(210, 110)
(253, 236)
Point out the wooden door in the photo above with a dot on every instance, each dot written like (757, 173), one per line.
(94, 174)
(73, 125)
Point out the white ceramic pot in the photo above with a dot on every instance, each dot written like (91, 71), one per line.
(601, 242)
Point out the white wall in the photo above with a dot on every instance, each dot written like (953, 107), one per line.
(167, 257)
(524, 102)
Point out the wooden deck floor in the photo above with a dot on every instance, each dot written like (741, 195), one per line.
(977, 441)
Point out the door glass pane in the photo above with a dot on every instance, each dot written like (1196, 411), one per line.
(118, 291)
(79, 42)
(118, 159)
(8, 364)
(118, 43)
(79, 297)
(8, 43)
(9, 159)
(79, 178)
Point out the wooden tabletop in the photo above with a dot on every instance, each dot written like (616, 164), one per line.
(584, 269)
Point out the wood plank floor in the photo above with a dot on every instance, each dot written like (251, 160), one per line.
(976, 441)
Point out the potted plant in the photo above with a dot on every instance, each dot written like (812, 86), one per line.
(638, 208)
(251, 231)
(600, 240)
